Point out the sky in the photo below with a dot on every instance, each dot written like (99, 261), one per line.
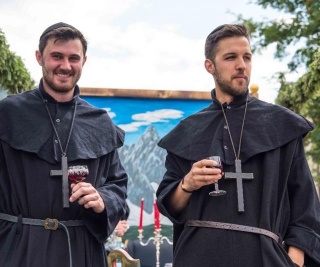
(138, 44)
(136, 115)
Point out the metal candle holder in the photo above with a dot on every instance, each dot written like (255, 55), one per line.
(157, 241)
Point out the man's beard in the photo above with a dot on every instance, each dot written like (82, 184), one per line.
(227, 88)
(49, 79)
(58, 89)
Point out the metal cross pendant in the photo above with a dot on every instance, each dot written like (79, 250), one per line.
(239, 176)
(65, 185)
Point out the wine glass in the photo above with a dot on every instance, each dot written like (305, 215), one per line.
(217, 191)
(78, 173)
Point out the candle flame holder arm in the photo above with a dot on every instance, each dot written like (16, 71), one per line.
(157, 241)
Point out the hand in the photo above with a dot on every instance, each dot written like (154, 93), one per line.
(87, 196)
(122, 228)
(202, 173)
(296, 255)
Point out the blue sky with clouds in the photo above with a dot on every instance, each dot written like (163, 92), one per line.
(137, 44)
(135, 115)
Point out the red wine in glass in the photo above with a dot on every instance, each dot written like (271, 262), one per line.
(78, 173)
(217, 191)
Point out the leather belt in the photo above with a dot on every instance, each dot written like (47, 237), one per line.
(233, 227)
(48, 224)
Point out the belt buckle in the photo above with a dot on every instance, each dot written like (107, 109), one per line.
(51, 224)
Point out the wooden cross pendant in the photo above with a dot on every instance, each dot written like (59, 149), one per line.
(239, 176)
(65, 185)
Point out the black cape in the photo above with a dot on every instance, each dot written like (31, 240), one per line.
(24, 117)
(29, 151)
(281, 198)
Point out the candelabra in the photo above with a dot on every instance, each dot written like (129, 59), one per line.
(157, 241)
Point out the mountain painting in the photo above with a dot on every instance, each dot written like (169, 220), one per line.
(145, 120)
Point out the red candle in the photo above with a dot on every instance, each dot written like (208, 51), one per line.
(157, 225)
(141, 214)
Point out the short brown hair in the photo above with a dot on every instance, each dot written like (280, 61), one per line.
(221, 32)
(63, 33)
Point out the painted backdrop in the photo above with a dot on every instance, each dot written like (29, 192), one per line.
(145, 121)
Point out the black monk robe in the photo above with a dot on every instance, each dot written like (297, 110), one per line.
(280, 198)
(28, 152)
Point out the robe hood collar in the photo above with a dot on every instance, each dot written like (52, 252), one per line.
(25, 126)
(203, 134)
(237, 101)
(50, 99)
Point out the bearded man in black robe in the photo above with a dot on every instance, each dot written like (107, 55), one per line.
(46, 135)
(267, 212)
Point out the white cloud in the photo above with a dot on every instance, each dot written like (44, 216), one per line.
(134, 44)
(110, 113)
(146, 58)
(160, 115)
(133, 126)
(149, 117)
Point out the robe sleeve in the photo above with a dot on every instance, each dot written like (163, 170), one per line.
(304, 228)
(177, 168)
(113, 190)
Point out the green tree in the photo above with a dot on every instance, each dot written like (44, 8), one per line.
(303, 96)
(299, 30)
(14, 76)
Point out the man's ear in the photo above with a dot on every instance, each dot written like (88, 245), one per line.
(39, 57)
(208, 64)
(84, 60)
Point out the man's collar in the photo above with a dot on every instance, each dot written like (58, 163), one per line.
(236, 102)
(50, 99)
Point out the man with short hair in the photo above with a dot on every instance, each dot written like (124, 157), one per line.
(62, 185)
(260, 209)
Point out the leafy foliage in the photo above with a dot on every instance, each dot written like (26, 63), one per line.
(303, 97)
(13, 74)
(298, 29)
